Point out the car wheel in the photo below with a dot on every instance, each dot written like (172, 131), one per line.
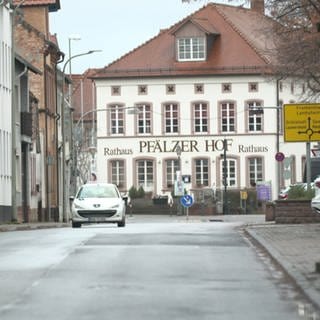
(76, 224)
(122, 223)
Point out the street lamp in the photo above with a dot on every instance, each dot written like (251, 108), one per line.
(64, 182)
(179, 177)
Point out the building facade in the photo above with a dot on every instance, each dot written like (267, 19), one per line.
(5, 110)
(198, 101)
(38, 159)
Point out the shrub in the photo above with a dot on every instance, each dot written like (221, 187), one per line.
(141, 192)
(300, 192)
(136, 193)
(133, 192)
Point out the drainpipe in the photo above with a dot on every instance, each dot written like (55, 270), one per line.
(13, 124)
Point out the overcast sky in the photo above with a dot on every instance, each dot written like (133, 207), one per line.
(113, 26)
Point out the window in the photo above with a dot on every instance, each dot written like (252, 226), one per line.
(145, 174)
(229, 173)
(200, 115)
(253, 87)
(202, 172)
(226, 87)
(172, 166)
(255, 170)
(198, 88)
(228, 115)
(171, 121)
(191, 49)
(170, 89)
(255, 116)
(143, 89)
(116, 119)
(115, 91)
(144, 118)
(117, 173)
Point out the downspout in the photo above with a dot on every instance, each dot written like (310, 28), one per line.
(57, 117)
(13, 124)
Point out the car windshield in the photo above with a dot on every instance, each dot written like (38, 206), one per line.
(97, 191)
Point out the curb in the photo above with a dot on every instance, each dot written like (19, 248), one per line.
(32, 226)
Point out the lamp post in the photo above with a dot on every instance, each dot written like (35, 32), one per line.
(179, 177)
(63, 131)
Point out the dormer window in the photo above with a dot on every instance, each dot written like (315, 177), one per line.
(191, 49)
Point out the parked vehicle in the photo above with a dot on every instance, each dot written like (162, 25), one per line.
(98, 203)
(315, 202)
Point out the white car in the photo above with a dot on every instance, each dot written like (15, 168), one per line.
(98, 203)
(315, 203)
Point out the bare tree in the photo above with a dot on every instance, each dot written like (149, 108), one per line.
(297, 41)
(296, 38)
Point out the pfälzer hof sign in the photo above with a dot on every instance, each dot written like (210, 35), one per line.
(302, 122)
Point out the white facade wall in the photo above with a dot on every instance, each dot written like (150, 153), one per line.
(5, 107)
(158, 147)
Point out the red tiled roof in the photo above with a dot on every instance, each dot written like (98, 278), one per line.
(54, 5)
(242, 47)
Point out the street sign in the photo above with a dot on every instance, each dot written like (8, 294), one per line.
(301, 122)
(186, 201)
(279, 156)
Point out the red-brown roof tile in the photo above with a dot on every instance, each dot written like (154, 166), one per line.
(54, 5)
(242, 47)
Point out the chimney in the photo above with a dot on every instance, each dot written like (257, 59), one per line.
(257, 6)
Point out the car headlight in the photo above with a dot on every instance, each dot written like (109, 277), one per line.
(77, 206)
(116, 206)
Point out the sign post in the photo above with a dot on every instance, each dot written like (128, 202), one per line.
(186, 201)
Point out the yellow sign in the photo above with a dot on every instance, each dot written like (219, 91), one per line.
(302, 122)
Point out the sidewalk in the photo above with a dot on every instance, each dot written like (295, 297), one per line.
(297, 249)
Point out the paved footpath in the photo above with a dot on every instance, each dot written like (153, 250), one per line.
(297, 249)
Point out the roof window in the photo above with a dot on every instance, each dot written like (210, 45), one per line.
(191, 49)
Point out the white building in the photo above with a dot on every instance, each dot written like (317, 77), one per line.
(199, 83)
(5, 110)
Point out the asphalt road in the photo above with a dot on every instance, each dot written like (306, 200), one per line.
(188, 270)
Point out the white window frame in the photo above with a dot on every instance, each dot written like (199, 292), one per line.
(231, 172)
(118, 173)
(255, 116)
(199, 109)
(201, 167)
(115, 126)
(191, 48)
(144, 119)
(169, 125)
(145, 174)
(255, 169)
(172, 166)
(228, 121)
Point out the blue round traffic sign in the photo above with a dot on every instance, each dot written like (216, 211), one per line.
(186, 201)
